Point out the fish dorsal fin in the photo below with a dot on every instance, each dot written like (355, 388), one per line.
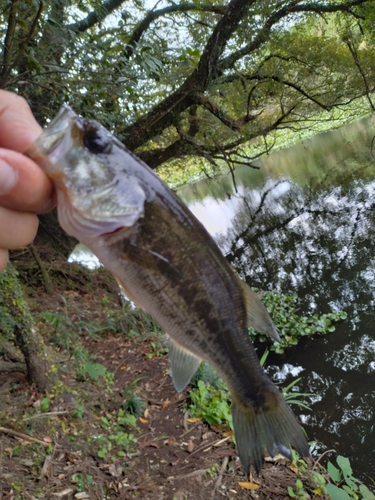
(184, 364)
(257, 315)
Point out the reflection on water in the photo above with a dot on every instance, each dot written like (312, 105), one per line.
(305, 224)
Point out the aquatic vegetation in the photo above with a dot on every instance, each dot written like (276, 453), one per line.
(291, 325)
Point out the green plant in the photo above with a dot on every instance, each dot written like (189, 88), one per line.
(292, 397)
(158, 349)
(339, 482)
(135, 405)
(210, 398)
(116, 437)
(290, 325)
(44, 404)
(82, 481)
(212, 471)
(295, 397)
(91, 370)
(298, 491)
(211, 404)
(132, 402)
(343, 485)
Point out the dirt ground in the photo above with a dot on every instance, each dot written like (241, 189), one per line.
(50, 442)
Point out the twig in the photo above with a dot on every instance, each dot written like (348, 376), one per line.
(23, 436)
(186, 416)
(191, 429)
(215, 444)
(223, 468)
(198, 472)
(47, 414)
(1, 457)
(321, 456)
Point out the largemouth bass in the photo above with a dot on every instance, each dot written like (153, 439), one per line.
(169, 265)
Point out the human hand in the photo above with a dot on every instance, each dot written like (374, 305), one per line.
(24, 189)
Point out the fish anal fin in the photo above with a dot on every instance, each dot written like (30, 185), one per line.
(184, 364)
(256, 313)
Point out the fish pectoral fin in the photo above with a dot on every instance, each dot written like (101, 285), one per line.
(257, 315)
(184, 364)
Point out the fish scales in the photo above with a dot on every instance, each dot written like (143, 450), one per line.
(170, 266)
(203, 283)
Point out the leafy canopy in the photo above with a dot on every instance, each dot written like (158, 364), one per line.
(210, 79)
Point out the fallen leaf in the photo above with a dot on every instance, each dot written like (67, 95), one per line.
(47, 439)
(170, 440)
(143, 420)
(165, 404)
(63, 493)
(150, 442)
(249, 486)
(193, 420)
(227, 433)
(190, 446)
(115, 470)
(147, 411)
(293, 468)
(46, 470)
(276, 458)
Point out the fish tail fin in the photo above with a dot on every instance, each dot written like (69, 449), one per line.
(268, 425)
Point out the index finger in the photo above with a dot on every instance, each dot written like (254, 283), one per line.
(18, 127)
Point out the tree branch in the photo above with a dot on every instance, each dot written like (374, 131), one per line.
(34, 25)
(207, 66)
(276, 16)
(8, 42)
(293, 86)
(213, 108)
(95, 16)
(361, 72)
(186, 146)
(163, 115)
(155, 14)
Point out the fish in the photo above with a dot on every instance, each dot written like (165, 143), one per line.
(167, 264)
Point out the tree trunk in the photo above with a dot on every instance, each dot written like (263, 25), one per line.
(16, 319)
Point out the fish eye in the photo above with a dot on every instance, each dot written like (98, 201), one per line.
(96, 141)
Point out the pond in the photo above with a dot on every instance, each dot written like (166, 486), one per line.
(304, 223)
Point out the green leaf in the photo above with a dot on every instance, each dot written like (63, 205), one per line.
(344, 464)
(366, 493)
(102, 453)
(333, 472)
(337, 493)
(350, 491)
(291, 492)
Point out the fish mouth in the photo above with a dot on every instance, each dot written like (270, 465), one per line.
(49, 146)
(53, 135)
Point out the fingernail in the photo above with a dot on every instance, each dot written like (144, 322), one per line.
(8, 177)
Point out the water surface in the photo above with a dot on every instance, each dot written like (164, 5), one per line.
(305, 223)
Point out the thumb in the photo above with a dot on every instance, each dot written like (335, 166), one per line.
(23, 185)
